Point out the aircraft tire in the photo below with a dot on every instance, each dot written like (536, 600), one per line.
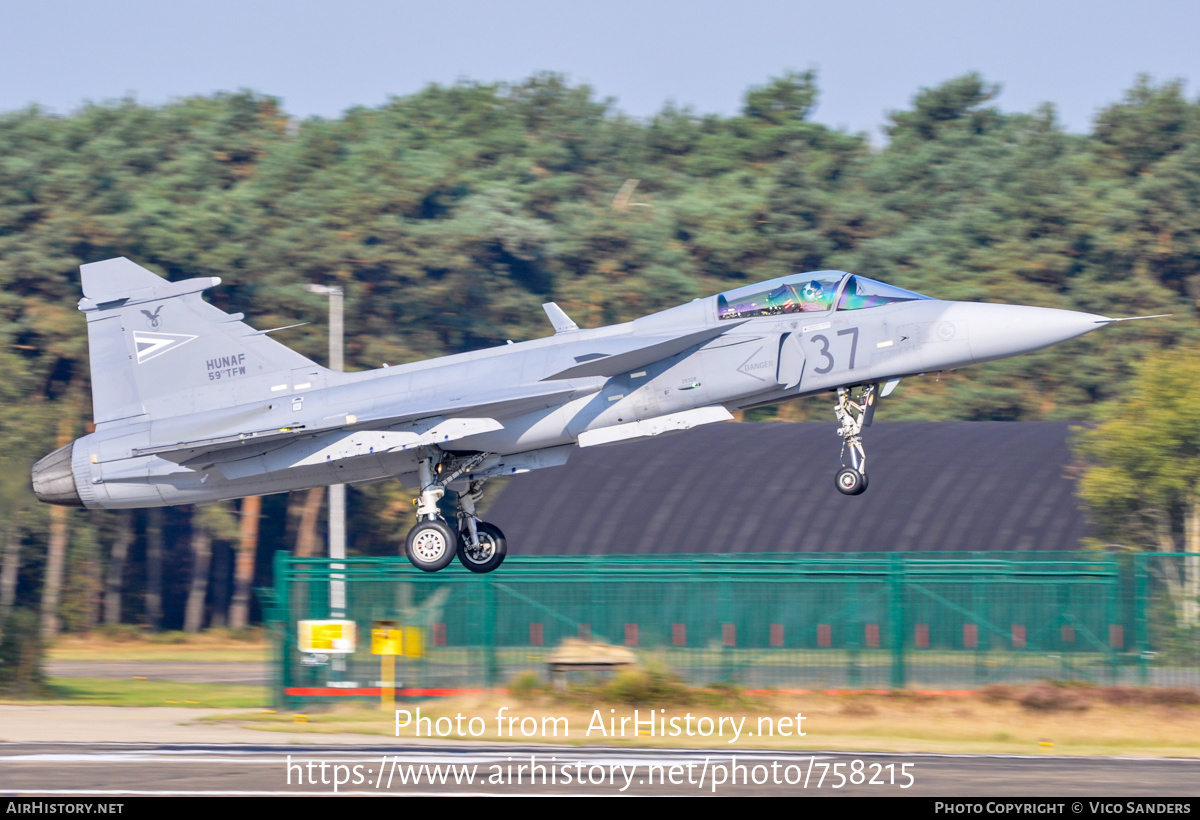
(850, 481)
(430, 545)
(494, 545)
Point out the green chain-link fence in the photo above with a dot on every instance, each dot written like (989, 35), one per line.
(930, 621)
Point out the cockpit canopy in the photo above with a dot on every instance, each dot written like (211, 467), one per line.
(809, 293)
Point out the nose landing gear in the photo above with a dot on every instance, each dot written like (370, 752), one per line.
(853, 417)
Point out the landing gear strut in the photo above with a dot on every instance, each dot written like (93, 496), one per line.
(854, 416)
(432, 543)
(481, 546)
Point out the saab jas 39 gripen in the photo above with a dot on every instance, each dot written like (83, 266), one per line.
(191, 405)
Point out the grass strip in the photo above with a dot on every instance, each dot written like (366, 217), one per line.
(116, 692)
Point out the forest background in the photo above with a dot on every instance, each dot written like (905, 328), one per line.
(449, 216)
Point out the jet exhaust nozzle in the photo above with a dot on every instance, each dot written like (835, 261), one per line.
(54, 479)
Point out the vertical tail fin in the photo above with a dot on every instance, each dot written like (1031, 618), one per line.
(158, 349)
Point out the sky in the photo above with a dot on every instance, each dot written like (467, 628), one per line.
(321, 58)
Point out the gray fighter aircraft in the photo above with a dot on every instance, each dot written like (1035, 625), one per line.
(193, 406)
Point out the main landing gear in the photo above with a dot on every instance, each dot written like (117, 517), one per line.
(432, 543)
(853, 417)
(481, 546)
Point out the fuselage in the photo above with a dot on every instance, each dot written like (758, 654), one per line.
(772, 346)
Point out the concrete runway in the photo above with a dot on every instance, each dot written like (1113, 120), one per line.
(95, 750)
(112, 769)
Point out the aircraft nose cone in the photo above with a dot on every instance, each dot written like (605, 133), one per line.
(997, 331)
(54, 479)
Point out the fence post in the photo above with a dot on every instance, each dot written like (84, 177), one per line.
(1062, 595)
(896, 585)
(283, 637)
(725, 616)
(1114, 601)
(489, 618)
(1141, 641)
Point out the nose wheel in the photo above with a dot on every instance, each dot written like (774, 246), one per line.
(850, 481)
(853, 416)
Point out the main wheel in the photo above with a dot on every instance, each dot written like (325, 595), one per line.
(430, 545)
(490, 552)
(850, 481)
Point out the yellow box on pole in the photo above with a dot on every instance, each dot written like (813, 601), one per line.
(389, 638)
(387, 642)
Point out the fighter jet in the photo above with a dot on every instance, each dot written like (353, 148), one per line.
(192, 405)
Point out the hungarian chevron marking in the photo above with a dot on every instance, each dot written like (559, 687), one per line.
(150, 345)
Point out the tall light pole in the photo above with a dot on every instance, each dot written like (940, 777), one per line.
(337, 492)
